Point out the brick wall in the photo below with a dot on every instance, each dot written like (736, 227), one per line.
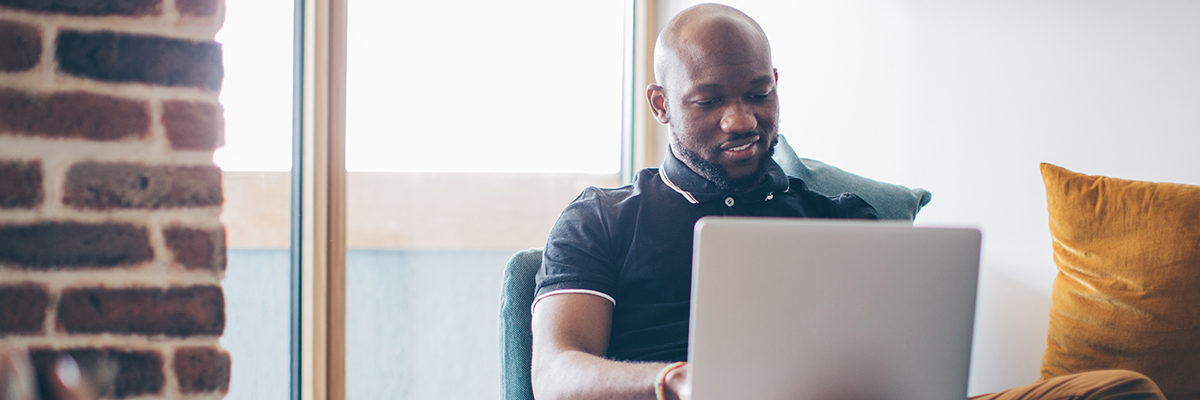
(110, 246)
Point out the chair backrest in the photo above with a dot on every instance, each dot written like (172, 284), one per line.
(516, 297)
(891, 201)
(516, 342)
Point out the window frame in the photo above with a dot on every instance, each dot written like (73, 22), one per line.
(318, 216)
(318, 193)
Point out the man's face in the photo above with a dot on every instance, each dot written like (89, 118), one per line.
(723, 112)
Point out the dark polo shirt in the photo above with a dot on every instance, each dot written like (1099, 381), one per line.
(633, 246)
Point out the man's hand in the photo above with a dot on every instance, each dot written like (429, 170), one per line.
(676, 385)
(21, 380)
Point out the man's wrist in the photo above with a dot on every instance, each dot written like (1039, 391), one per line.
(663, 389)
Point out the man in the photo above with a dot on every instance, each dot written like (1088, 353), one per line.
(611, 314)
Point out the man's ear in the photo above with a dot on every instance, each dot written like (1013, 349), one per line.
(656, 97)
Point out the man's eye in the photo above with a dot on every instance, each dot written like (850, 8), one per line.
(708, 102)
(760, 96)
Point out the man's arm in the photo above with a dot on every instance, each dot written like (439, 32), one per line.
(570, 338)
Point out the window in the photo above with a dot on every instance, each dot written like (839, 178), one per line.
(469, 126)
(257, 96)
(467, 129)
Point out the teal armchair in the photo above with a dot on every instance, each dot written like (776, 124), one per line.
(516, 345)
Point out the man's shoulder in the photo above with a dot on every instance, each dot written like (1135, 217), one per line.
(646, 180)
(842, 205)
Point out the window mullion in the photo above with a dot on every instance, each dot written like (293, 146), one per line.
(323, 211)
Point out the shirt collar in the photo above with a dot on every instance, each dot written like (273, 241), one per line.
(696, 189)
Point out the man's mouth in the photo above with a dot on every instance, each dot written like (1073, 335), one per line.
(742, 147)
(741, 144)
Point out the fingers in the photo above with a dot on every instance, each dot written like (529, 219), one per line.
(21, 379)
(66, 383)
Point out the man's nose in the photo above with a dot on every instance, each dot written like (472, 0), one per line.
(738, 118)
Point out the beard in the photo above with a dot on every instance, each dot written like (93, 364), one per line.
(716, 173)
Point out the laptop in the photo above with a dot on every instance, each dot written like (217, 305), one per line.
(786, 308)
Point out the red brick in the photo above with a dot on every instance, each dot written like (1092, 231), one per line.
(178, 312)
(155, 60)
(103, 186)
(23, 308)
(197, 8)
(20, 184)
(196, 248)
(58, 245)
(20, 46)
(193, 125)
(202, 369)
(88, 7)
(79, 115)
(111, 372)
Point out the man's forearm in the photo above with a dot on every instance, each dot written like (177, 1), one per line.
(570, 337)
(580, 375)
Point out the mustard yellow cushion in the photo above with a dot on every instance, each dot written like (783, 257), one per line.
(1127, 293)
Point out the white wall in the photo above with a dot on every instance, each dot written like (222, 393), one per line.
(966, 98)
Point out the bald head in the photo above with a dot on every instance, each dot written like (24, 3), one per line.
(707, 33)
(716, 92)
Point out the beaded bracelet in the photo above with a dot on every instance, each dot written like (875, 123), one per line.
(661, 380)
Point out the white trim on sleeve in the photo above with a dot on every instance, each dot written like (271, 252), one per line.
(571, 291)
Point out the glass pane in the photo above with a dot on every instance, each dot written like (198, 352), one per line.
(256, 159)
(484, 86)
(470, 125)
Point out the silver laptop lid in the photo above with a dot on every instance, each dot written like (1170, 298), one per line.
(822, 309)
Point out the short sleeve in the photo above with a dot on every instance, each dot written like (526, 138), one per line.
(579, 250)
